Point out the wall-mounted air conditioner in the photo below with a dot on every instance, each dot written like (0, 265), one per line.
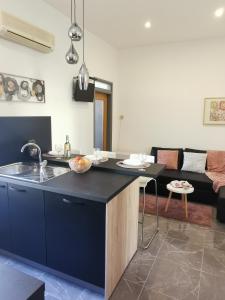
(18, 31)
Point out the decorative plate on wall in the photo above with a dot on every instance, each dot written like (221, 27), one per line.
(15, 88)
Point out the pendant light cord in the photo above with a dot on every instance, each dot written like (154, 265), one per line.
(71, 11)
(75, 8)
(83, 31)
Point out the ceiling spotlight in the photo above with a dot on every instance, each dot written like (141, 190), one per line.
(219, 12)
(148, 24)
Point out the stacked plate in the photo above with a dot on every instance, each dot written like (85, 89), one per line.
(133, 164)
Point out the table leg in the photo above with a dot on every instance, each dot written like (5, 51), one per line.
(168, 201)
(186, 208)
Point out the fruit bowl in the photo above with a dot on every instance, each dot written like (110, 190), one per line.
(80, 164)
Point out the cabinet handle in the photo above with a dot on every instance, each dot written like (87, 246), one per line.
(67, 201)
(17, 190)
(2, 186)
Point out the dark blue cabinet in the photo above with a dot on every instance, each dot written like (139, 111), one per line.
(4, 218)
(75, 237)
(26, 211)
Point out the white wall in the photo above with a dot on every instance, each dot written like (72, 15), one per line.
(73, 118)
(161, 95)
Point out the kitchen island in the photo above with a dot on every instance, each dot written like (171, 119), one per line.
(84, 226)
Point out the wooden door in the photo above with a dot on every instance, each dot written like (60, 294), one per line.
(101, 120)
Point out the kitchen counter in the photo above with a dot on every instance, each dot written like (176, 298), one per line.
(90, 217)
(110, 165)
(95, 185)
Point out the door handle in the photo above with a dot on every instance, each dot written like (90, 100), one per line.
(2, 186)
(17, 190)
(67, 201)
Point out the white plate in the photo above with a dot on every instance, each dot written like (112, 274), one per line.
(132, 162)
(93, 157)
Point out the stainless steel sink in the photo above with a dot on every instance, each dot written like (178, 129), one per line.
(32, 172)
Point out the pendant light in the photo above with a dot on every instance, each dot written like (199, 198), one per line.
(83, 76)
(72, 56)
(75, 32)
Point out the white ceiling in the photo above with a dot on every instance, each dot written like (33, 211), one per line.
(121, 22)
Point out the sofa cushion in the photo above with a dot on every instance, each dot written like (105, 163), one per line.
(180, 154)
(168, 158)
(194, 162)
(216, 161)
(196, 151)
(199, 181)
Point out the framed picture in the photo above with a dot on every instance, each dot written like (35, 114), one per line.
(214, 111)
(15, 88)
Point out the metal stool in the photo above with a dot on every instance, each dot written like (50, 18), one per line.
(143, 181)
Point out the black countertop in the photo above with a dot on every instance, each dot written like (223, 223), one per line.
(95, 185)
(102, 183)
(154, 170)
(110, 165)
(92, 185)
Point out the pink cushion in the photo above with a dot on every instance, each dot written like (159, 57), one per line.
(168, 158)
(216, 161)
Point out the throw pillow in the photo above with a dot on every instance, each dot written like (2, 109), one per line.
(216, 161)
(168, 158)
(154, 152)
(194, 162)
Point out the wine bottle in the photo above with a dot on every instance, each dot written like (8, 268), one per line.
(67, 148)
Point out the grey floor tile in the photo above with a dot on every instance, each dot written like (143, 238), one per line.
(214, 261)
(214, 239)
(173, 280)
(187, 233)
(148, 294)
(126, 290)
(88, 295)
(138, 270)
(154, 247)
(182, 252)
(212, 287)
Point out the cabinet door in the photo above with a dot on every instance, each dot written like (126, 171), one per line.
(26, 208)
(4, 218)
(75, 237)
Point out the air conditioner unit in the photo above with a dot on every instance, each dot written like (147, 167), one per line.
(18, 31)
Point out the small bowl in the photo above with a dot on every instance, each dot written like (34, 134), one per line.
(80, 167)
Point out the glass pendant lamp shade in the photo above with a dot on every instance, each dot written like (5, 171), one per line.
(75, 32)
(72, 56)
(83, 77)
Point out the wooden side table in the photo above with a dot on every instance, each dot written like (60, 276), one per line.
(183, 191)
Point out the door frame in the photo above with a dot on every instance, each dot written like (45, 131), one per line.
(109, 111)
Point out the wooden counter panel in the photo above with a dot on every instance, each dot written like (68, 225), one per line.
(121, 234)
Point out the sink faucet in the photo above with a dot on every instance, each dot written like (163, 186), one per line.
(39, 151)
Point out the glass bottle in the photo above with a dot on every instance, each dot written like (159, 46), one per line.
(67, 148)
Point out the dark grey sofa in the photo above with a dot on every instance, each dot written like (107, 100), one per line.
(203, 185)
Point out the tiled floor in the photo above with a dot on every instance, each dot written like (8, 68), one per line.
(184, 261)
